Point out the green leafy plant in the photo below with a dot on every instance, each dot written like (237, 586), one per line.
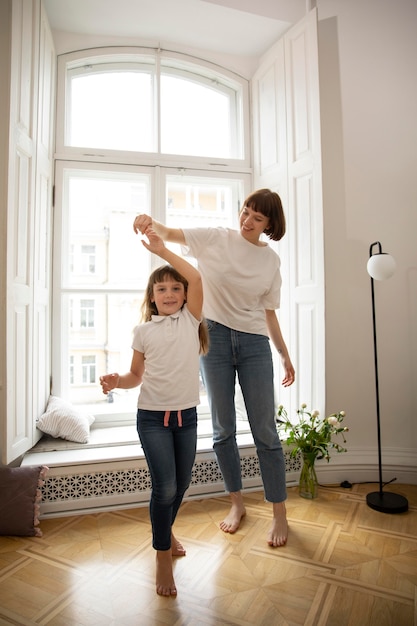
(312, 435)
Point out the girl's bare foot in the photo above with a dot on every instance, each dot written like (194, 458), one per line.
(165, 585)
(231, 522)
(177, 549)
(279, 529)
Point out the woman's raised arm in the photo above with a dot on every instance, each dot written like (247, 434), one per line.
(143, 221)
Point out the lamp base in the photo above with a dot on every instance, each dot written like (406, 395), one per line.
(387, 502)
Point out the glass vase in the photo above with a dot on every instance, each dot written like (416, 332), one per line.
(308, 485)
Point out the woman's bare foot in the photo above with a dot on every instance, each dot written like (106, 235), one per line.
(279, 530)
(177, 549)
(165, 585)
(231, 522)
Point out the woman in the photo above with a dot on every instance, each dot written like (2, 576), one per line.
(242, 282)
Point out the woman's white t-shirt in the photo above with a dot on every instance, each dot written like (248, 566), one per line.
(171, 347)
(240, 280)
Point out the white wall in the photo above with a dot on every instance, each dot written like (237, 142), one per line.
(368, 84)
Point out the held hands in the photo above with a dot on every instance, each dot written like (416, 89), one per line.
(109, 382)
(141, 223)
(156, 244)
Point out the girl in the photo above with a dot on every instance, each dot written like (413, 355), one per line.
(242, 281)
(166, 362)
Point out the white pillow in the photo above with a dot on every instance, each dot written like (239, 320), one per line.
(62, 419)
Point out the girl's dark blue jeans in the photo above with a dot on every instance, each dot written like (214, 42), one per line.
(170, 454)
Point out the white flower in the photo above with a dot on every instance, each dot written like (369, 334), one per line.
(332, 420)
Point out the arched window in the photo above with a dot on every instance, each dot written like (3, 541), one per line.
(151, 103)
(137, 131)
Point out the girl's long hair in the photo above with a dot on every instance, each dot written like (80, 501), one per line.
(148, 307)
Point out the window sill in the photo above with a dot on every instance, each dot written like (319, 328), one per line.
(106, 444)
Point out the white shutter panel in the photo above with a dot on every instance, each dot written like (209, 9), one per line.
(28, 225)
(287, 158)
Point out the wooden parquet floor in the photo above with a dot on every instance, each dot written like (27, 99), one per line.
(344, 564)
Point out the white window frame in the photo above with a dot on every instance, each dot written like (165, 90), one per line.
(156, 165)
(158, 184)
(62, 316)
(170, 62)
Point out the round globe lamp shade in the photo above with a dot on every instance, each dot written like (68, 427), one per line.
(381, 266)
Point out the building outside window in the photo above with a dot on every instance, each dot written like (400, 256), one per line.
(88, 364)
(88, 259)
(87, 314)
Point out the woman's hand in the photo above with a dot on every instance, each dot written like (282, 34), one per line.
(141, 223)
(289, 377)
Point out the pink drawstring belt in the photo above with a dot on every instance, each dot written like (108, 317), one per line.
(166, 418)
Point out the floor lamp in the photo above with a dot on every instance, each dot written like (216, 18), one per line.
(381, 266)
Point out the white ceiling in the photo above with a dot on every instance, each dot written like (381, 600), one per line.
(237, 27)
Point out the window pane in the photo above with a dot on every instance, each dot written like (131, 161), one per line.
(196, 119)
(202, 201)
(102, 348)
(103, 251)
(103, 280)
(110, 109)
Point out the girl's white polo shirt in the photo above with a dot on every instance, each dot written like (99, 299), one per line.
(171, 347)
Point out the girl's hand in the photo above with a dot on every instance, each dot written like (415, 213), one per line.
(141, 223)
(109, 382)
(156, 244)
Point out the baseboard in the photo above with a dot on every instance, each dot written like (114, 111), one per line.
(360, 465)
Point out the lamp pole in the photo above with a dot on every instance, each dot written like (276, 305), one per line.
(381, 266)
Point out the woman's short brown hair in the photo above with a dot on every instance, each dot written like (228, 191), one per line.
(269, 204)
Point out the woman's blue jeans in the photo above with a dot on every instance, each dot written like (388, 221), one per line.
(170, 454)
(249, 356)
